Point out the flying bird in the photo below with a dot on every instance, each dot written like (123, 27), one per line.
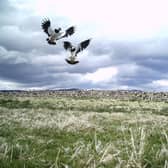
(72, 59)
(55, 34)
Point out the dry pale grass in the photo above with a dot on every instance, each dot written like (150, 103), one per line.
(77, 120)
(132, 137)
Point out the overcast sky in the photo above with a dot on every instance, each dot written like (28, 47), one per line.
(129, 47)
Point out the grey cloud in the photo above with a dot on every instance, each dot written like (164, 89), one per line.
(5, 6)
(33, 23)
(140, 53)
(12, 38)
(26, 58)
(8, 13)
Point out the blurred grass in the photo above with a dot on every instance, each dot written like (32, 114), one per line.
(89, 104)
(71, 133)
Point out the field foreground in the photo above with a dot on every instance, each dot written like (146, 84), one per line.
(70, 131)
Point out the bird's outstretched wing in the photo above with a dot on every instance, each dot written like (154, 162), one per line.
(67, 45)
(68, 32)
(83, 45)
(46, 26)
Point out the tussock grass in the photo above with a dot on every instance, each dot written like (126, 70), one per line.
(88, 133)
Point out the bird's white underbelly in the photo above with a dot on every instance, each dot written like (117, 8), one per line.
(73, 56)
(55, 36)
(52, 38)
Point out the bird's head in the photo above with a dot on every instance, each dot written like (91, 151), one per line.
(57, 30)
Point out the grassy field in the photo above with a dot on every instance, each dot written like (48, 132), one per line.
(82, 133)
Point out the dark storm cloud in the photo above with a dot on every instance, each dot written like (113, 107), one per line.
(141, 76)
(150, 58)
(158, 63)
(126, 52)
(13, 39)
(35, 73)
(30, 75)
(21, 73)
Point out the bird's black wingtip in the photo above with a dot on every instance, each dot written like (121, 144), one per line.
(89, 39)
(45, 22)
(45, 25)
(45, 19)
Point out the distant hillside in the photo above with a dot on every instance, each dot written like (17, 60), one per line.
(73, 92)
